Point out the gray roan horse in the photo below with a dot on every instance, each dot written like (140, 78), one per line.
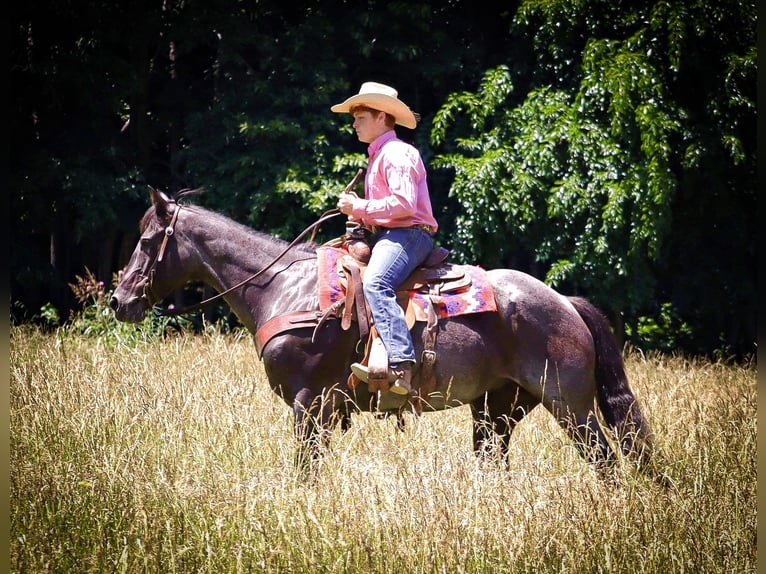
(540, 347)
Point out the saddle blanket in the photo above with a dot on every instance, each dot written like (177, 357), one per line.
(479, 297)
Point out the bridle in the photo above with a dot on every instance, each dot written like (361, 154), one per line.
(148, 278)
(170, 232)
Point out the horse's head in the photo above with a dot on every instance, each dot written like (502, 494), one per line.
(156, 267)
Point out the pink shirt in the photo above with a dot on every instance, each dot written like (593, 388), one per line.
(396, 191)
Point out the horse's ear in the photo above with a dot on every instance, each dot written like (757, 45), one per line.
(160, 201)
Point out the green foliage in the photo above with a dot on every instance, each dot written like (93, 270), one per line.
(666, 332)
(561, 174)
(600, 167)
(96, 318)
(50, 315)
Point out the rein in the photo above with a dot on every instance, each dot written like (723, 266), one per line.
(169, 231)
(175, 312)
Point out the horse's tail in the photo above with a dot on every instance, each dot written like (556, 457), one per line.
(615, 399)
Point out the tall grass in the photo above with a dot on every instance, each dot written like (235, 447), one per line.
(175, 456)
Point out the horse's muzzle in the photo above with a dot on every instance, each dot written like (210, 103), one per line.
(132, 311)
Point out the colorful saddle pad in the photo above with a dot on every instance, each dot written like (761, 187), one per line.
(479, 297)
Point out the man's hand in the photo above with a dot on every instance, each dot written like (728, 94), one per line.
(346, 202)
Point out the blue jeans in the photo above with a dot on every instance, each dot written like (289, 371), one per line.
(395, 254)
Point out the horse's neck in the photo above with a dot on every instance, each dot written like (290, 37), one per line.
(234, 253)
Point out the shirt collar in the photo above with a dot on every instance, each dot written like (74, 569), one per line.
(380, 141)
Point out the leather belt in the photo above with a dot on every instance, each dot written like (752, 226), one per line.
(424, 226)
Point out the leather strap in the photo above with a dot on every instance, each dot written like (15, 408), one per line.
(282, 323)
(169, 232)
(348, 309)
(353, 380)
(427, 382)
(360, 303)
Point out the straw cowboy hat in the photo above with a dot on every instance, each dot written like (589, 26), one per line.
(379, 97)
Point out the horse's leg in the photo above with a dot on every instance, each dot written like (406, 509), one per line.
(589, 438)
(306, 429)
(573, 406)
(308, 376)
(496, 414)
(568, 388)
(315, 417)
(345, 421)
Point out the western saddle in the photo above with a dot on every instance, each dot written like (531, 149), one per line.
(434, 277)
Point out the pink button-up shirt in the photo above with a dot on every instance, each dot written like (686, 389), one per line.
(396, 191)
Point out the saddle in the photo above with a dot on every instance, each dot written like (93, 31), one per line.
(422, 296)
(434, 277)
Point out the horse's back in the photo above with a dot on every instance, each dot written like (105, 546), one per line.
(518, 292)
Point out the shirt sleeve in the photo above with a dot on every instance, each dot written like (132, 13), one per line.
(394, 190)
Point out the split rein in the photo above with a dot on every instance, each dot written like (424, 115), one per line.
(170, 231)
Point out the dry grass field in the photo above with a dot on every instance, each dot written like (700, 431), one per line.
(173, 455)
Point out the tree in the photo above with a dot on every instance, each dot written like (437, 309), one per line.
(587, 171)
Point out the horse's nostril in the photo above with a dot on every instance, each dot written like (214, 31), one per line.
(114, 303)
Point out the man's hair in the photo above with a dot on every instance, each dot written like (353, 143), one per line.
(390, 120)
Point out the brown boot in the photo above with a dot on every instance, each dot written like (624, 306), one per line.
(401, 380)
(361, 371)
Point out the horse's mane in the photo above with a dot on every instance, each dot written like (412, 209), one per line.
(307, 247)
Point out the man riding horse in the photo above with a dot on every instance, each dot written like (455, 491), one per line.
(397, 209)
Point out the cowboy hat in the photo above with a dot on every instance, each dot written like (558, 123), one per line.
(379, 97)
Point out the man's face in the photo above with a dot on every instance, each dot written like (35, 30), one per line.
(369, 126)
